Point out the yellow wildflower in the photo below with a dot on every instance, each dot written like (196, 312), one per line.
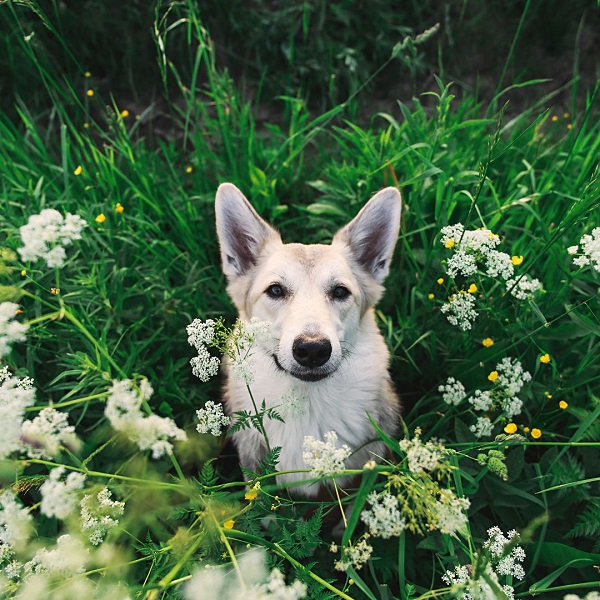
(562, 405)
(487, 343)
(472, 289)
(88, 74)
(536, 433)
(431, 296)
(119, 207)
(78, 170)
(570, 126)
(90, 93)
(545, 358)
(23, 273)
(189, 169)
(449, 243)
(124, 114)
(554, 118)
(440, 280)
(55, 291)
(526, 429)
(516, 260)
(510, 428)
(86, 125)
(100, 218)
(252, 493)
(493, 376)
(229, 524)
(566, 115)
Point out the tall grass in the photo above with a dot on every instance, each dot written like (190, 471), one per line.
(119, 307)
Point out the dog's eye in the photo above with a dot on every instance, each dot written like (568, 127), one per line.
(275, 291)
(340, 292)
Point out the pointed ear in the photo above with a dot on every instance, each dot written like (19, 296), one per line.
(372, 234)
(241, 232)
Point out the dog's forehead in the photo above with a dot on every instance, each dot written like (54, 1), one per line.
(310, 259)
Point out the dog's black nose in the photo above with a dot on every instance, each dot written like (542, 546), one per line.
(311, 352)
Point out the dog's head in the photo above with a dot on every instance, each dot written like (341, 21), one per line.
(314, 295)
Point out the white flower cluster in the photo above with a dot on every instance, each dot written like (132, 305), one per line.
(14, 398)
(324, 458)
(41, 437)
(422, 456)
(59, 498)
(149, 432)
(505, 559)
(453, 391)
(589, 596)
(10, 330)
(66, 559)
(46, 235)
(510, 377)
(47, 432)
(383, 518)
(251, 580)
(99, 514)
(212, 419)
(15, 523)
(590, 250)
(354, 556)
(200, 335)
(472, 248)
(460, 310)
(451, 512)
(246, 336)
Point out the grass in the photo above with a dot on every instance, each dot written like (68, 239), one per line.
(119, 307)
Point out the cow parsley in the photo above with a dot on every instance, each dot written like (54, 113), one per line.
(324, 458)
(11, 331)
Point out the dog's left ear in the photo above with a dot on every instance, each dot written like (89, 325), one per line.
(372, 234)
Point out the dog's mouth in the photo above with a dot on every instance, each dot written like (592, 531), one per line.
(303, 373)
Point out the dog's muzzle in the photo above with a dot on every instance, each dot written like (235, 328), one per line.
(311, 354)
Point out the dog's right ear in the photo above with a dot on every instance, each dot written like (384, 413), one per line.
(242, 233)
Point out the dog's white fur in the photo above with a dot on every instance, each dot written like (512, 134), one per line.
(308, 318)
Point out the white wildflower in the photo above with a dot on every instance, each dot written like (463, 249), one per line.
(324, 458)
(10, 330)
(590, 248)
(453, 391)
(212, 419)
(499, 263)
(201, 333)
(383, 518)
(293, 405)
(66, 559)
(99, 514)
(15, 521)
(15, 395)
(523, 287)
(460, 310)
(512, 406)
(483, 427)
(508, 561)
(461, 263)
(59, 498)
(245, 337)
(275, 588)
(481, 401)
(149, 432)
(204, 366)
(451, 512)
(589, 596)
(512, 376)
(47, 432)
(459, 576)
(47, 234)
(354, 556)
(213, 583)
(422, 456)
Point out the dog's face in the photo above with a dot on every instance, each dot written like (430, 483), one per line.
(313, 295)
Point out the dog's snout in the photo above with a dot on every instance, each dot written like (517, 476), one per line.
(311, 352)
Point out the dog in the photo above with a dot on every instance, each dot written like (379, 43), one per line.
(325, 348)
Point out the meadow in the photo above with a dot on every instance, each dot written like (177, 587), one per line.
(116, 478)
